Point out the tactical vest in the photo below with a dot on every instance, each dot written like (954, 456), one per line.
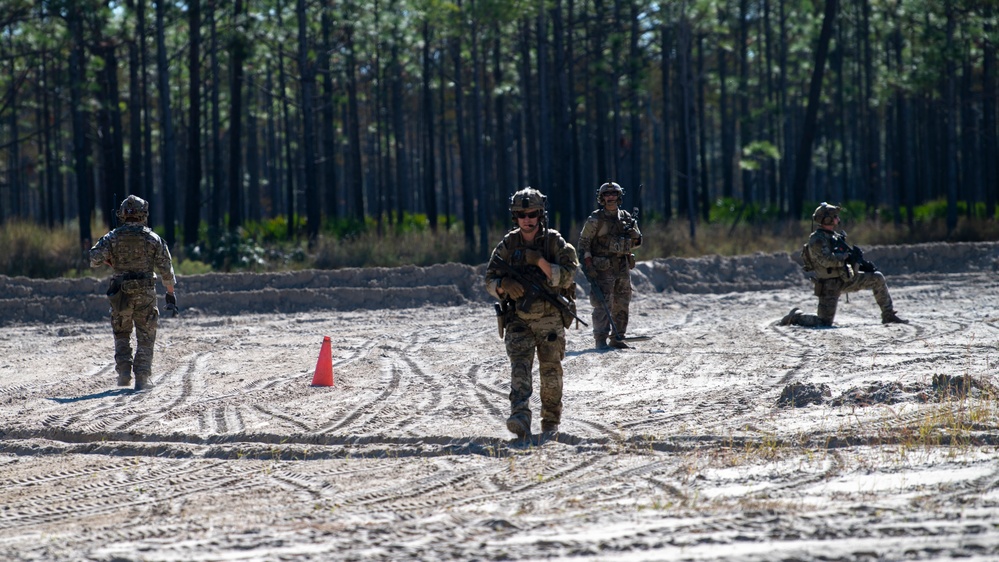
(616, 242)
(134, 250)
(550, 251)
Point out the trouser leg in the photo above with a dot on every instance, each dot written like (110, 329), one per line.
(551, 351)
(599, 317)
(146, 321)
(828, 292)
(875, 281)
(520, 348)
(621, 301)
(121, 327)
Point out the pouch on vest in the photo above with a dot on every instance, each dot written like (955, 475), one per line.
(619, 245)
(806, 259)
(114, 286)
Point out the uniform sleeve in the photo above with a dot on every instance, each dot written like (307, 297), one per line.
(164, 264)
(101, 252)
(493, 273)
(566, 263)
(586, 236)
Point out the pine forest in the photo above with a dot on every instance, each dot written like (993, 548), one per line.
(336, 116)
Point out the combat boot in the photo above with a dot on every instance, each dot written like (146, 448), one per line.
(618, 343)
(519, 426)
(549, 427)
(891, 317)
(791, 317)
(142, 382)
(125, 378)
(601, 342)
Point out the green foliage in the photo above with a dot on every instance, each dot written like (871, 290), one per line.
(272, 230)
(191, 267)
(347, 227)
(239, 252)
(756, 153)
(728, 210)
(857, 211)
(937, 210)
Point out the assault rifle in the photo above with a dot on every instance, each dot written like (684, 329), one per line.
(535, 289)
(635, 210)
(855, 256)
(858, 261)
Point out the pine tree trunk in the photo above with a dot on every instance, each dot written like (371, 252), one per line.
(192, 201)
(429, 162)
(307, 70)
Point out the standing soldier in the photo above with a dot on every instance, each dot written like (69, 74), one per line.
(606, 241)
(134, 251)
(533, 259)
(837, 270)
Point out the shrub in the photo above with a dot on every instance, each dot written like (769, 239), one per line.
(33, 250)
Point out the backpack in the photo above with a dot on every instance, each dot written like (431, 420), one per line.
(806, 259)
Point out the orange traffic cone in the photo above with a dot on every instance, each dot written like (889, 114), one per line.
(324, 367)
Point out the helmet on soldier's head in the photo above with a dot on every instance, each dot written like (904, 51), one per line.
(133, 209)
(825, 213)
(527, 199)
(607, 188)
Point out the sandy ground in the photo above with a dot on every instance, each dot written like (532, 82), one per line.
(724, 437)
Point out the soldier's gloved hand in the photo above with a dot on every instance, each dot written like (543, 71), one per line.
(588, 265)
(532, 257)
(171, 300)
(512, 288)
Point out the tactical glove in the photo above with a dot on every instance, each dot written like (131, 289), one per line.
(171, 300)
(512, 288)
(588, 265)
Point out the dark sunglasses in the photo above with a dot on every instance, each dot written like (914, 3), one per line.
(527, 215)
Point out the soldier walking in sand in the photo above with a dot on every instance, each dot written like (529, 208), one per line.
(605, 243)
(531, 272)
(134, 251)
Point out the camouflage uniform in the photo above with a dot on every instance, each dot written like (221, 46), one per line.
(828, 255)
(540, 328)
(134, 251)
(606, 240)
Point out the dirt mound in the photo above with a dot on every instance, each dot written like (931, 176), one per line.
(942, 387)
(24, 300)
(799, 394)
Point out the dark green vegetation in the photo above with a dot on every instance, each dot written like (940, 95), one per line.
(275, 134)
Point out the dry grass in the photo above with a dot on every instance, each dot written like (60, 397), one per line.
(35, 251)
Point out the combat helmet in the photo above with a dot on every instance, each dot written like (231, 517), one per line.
(825, 213)
(133, 209)
(607, 188)
(527, 199)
